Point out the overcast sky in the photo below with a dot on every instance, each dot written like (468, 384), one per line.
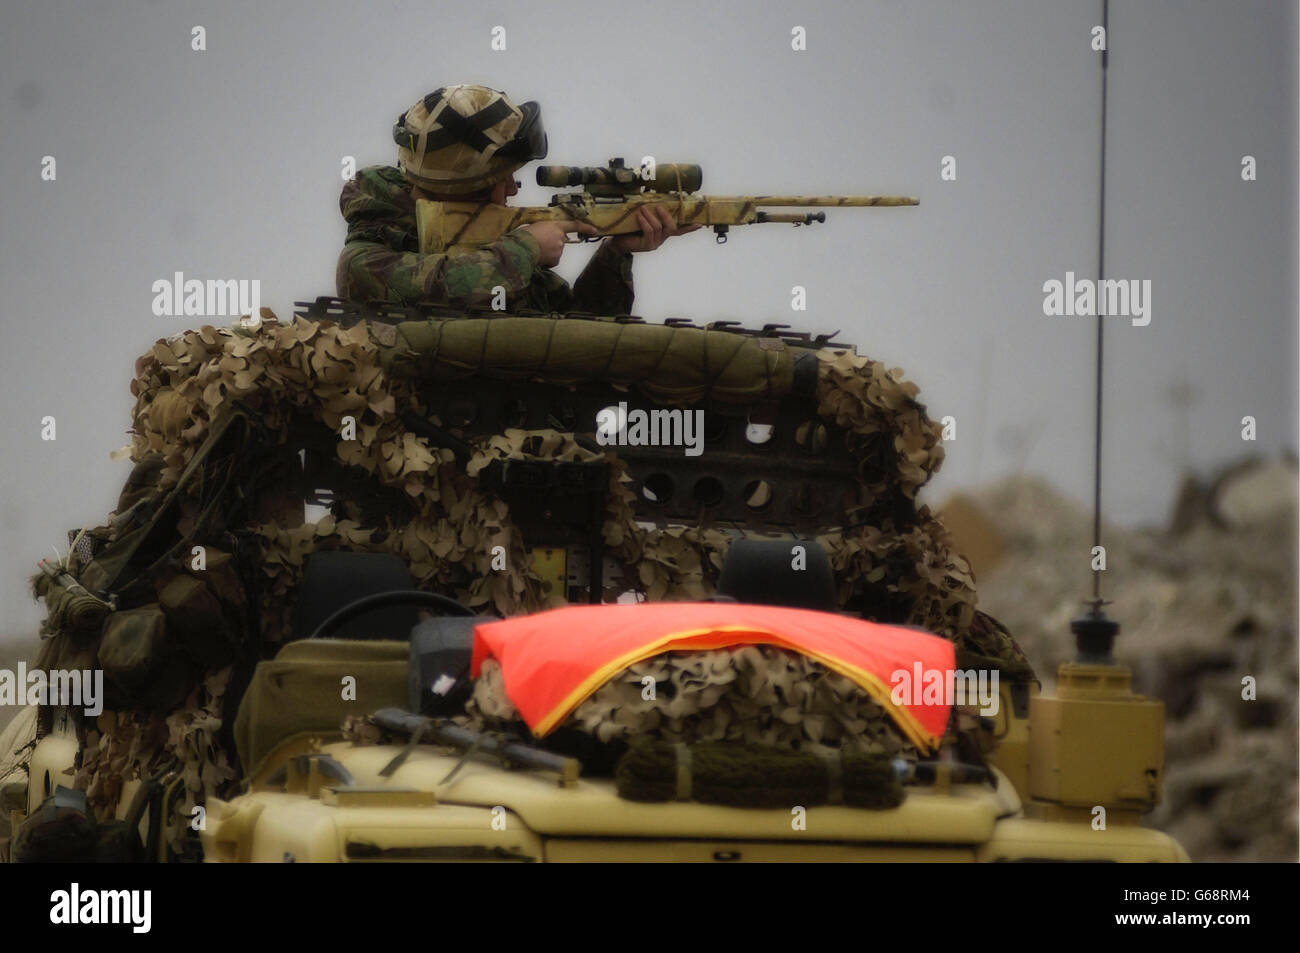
(225, 163)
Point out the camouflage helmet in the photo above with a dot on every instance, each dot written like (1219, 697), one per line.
(464, 139)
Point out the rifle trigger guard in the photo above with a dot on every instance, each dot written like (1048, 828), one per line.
(720, 234)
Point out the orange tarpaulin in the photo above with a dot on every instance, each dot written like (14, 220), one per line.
(553, 661)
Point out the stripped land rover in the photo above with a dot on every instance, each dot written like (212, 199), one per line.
(331, 612)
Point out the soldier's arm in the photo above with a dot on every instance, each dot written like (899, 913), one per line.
(605, 285)
(369, 270)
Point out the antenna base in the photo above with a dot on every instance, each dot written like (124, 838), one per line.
(1094, 635)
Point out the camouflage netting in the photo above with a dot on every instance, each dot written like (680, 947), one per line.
(331, 372)
(280, 374)
(757, 694)
(130, 744)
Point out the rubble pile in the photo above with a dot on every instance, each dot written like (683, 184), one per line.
(1202, 605)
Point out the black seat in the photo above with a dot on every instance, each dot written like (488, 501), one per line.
(332, 580)
(764, 571)
(441, 652)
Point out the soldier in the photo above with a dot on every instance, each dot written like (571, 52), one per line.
(464, 144)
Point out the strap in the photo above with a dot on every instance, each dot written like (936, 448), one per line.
(431, 100)
(388, 770)
(683, 753)
(834, 761)
(466, 129)
(474, 746)
(216, 431)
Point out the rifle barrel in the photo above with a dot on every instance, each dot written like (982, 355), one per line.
(834, 201)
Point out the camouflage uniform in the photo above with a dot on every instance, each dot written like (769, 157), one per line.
(381, 260)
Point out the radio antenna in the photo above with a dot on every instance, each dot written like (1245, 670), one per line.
(1094, 633)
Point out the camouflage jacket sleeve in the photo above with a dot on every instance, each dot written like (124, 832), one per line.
(371, 270)
(605, 285)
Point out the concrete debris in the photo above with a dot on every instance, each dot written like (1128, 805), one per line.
(1207, 609)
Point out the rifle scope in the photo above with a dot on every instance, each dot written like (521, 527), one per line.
(668, 177)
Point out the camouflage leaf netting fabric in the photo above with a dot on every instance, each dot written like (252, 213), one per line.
(135, 744)
(330, 372)
(282, 373)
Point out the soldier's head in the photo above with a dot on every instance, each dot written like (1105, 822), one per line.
(467, 142)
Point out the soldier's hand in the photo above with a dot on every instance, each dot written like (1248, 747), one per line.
(550, 235)
(657, 227)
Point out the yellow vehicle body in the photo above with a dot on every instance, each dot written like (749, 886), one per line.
(316, 798)
(489, 813)
(1074, 773)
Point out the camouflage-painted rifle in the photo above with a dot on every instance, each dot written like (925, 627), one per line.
(610, 198)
